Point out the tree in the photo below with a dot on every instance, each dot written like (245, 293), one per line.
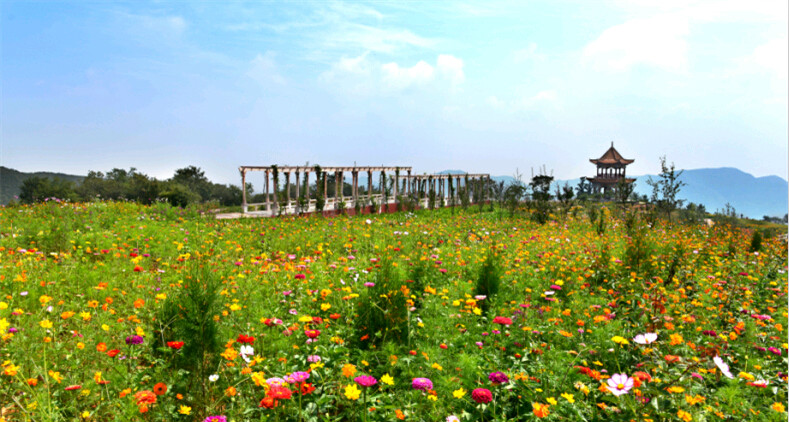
(624, 190)
(666, 188)
(36, 189)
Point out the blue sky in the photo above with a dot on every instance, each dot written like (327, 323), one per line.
(479, 86)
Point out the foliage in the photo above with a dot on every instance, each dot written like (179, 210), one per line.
(666, 188)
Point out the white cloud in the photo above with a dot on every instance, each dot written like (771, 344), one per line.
(263, 69)
(772, 56)
(657, 41)
(398, 78)
(525, 54)
(365, 76)
(452, 68)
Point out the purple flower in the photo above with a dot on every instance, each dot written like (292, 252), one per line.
(498, 377)
(423, 384)
(366, 380)
(132, 340)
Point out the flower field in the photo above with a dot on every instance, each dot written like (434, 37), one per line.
(116, 311)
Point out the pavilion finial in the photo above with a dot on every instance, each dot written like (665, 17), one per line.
(612, 144)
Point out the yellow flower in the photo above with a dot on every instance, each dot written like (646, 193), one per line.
(551, 400)
(459, 393)
(351, 392)
(325, 306)
(45, 324)
(676, 339)
(569, 397)
(431, 397)
(778, 407)
(258, 378)
(230, 353)
(348, 370)
(56, 376)
(620, 340)
(105, 327)
(3, 305)
(437, 366)
(694, 400)
(675, 389)
(85, 316)
(387, 379)
(185, 410)
(747, 376)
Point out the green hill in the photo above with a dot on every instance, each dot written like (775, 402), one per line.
(11, 181)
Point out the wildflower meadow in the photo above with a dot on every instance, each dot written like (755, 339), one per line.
(113, 311)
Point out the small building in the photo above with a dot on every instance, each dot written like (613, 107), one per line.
(610, 171)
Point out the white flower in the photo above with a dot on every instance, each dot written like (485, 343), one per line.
(213, 378)
(647, 338)
(722, 366)
(246, 351)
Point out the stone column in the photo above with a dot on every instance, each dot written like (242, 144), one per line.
(355, 186)
(396, 185)
(370, 185)
(325, 184)
(243, 191)
(298, 187)
(287, 188)
(268, 200)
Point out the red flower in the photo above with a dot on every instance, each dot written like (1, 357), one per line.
(269, 322)
(73, 387)
(175, 344)
(312, 333)
(112, 353)
(267, 402)
(243, 338)
(482, 395)
(335, 316)
(502, 320)
(279, 392)
(306, 388)
(137, 268)
(160, 389)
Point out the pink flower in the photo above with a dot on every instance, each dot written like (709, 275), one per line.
(722, 366)
(366, 380)
(620, 384)
(647, 338)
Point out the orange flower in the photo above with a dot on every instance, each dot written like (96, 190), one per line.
(101, 347)
(540, 410)
(145, 397)
(399, 414)
(160, 388)
(230, 391)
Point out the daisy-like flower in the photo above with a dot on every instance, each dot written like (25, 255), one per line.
(722, 366)
(246, 351)
(646, 338)
(620, 384)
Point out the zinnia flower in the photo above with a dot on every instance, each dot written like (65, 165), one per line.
(482, 395)
(498, 378)
(620, 384)
(218, 418)
(131, 340)
(423, 384)
(366, 380)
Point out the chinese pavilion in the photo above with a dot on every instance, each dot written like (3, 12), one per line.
(610, 170)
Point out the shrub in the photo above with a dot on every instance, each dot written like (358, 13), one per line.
(488, 280)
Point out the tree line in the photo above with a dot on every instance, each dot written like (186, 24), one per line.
(188, 185)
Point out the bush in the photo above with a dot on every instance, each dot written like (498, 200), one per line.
(488, 280)
(180, 196)
(383, 310)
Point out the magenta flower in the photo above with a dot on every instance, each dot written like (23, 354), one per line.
(482, 395)
(423, 384)
(297, 377)
(498, 378)
(620, 384)
(218, 418)
(366, 380)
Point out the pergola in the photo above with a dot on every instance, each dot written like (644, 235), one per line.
(404, 183)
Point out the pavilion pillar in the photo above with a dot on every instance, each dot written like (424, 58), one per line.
(396, 184)
(336, 189)
(298, 187)
(307, 184)
(325, 185)
(370, 185)
(287, 188)
(355, 184)
(243, 191)
(268, 200)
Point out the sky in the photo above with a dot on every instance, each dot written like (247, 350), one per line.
(485, 87)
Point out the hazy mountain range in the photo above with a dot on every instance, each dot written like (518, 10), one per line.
(714, 187)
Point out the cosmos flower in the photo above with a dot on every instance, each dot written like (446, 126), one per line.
(646, 338)
(723, 367)
(620, 384)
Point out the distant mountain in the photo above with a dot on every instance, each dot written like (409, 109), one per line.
(752, 196)
(11, 181)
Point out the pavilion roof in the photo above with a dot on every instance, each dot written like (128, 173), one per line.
(612, 156)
